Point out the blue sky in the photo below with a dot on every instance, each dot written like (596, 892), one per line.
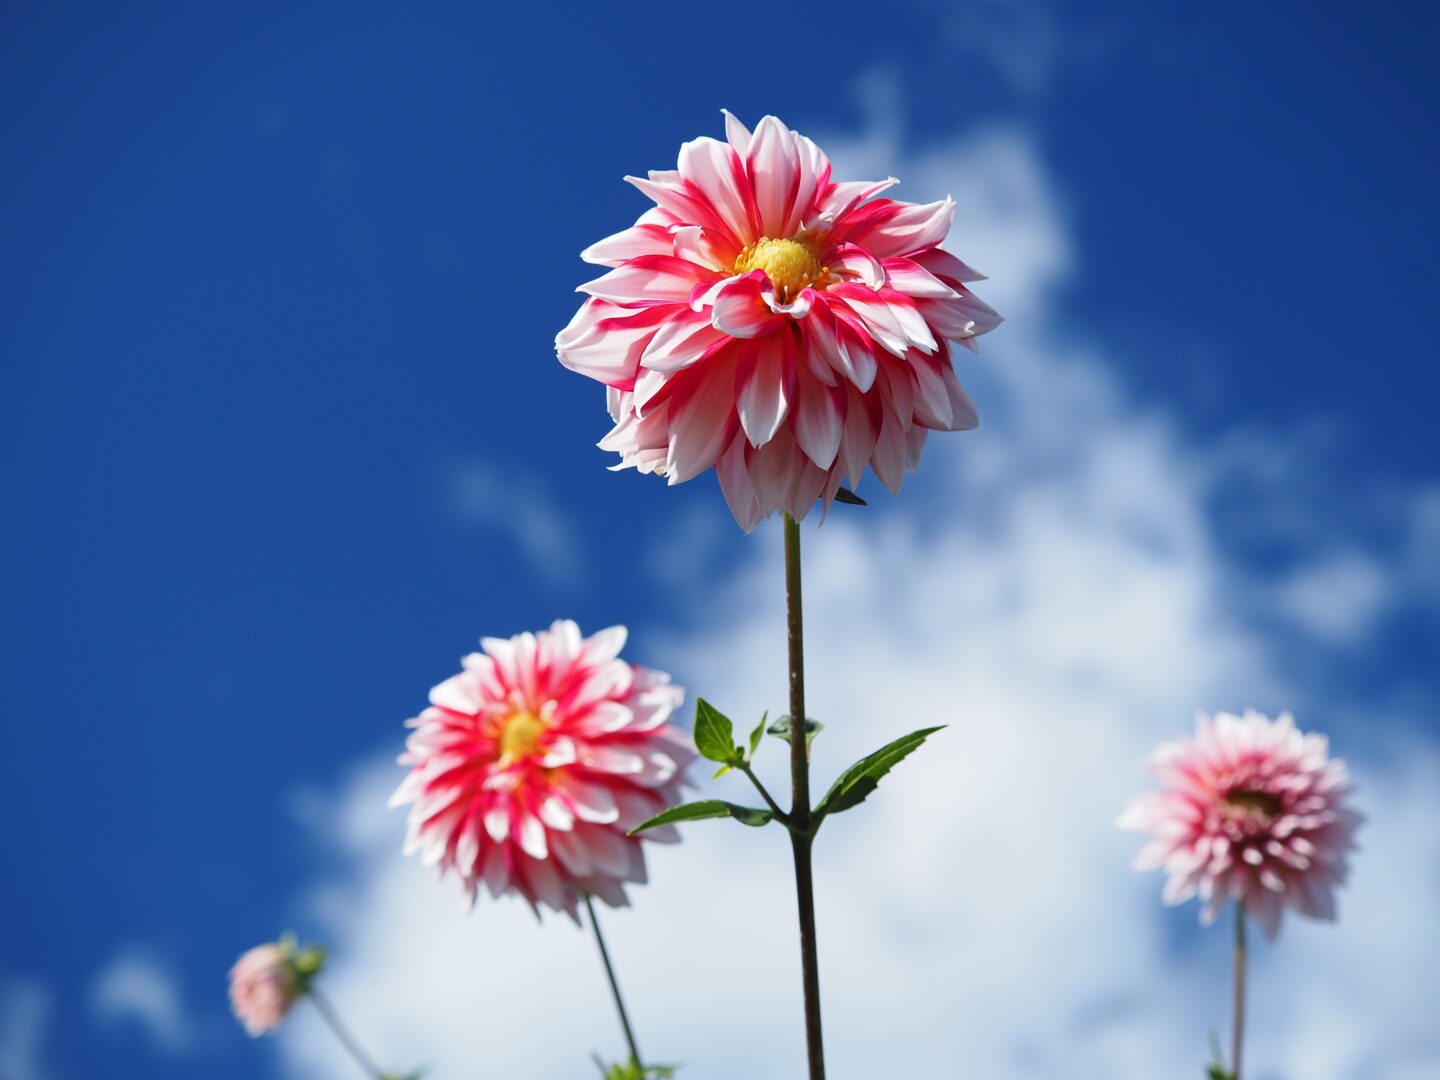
(283, 434)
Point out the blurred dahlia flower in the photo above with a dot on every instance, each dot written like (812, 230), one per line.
(263, 986)
(531, 765)
(784, 328)
(1251, 810)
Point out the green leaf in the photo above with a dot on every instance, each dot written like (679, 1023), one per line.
(758, 734)
(708, 808)
(721, 771)
(1216, 1070)
(781, 729)
(857, 782)
(714, 734)
(631, 1071)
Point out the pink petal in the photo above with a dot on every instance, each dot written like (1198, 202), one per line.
(854, 261)
(736, 133)
(702, 425)
(773, 162)
(680, 342)
(889, 228)
(629, 244)
(946, 266)
(740, 309)
(716, 170)
(912, 279)
(840, 199)
(766, 388)
(818, 422)
(606, 342)
(649, 279)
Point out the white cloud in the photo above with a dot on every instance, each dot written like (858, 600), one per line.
(1020, 39)
(137, 987)
(520, 507)
(26, 1008)
(1052, 588)
(1337, 597)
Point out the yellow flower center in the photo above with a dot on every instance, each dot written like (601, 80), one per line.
(520, 737)
(789, 264)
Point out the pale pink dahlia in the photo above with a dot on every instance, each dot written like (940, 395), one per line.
(1251, 810)
(786, 329)
(263, 987)
(531, 765)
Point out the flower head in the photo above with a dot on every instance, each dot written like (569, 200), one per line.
(267, 981)
(1252, 810)
(531, 765)
(784, 328)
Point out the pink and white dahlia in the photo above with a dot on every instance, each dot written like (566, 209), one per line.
(532, 764)
(263, 986)
(784, 328)
(1252, 810)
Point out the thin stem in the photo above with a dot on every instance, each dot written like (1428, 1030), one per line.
(332, 1020)
(1239, 1044)
(614, 984)
(795, 625)
(780, 815)
(801, 836)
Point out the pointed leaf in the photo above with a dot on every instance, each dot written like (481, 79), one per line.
(708, 808)
(857, 782)
(757, 734)
(845, 495)
(721, 771)
(714, 734)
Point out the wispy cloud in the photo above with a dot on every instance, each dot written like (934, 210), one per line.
(1055, 588)
(26, 1008)
(1020, 39)
(522, 508)
(137, 987)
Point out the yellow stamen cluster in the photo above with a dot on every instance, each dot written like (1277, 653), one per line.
(790, 265)
(520, 736)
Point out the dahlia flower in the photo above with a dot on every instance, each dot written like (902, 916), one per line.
(784, 328)
(1251, 809)
(263, 986)
(532, 764)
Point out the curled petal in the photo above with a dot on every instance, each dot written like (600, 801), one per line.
(740, 307)
(851, 261)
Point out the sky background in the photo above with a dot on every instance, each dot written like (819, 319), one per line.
(282, 433)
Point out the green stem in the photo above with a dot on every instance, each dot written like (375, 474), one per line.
(1239, 1022)
(332, 1020)
(780, 815)
(614, 983)
(801, 837)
